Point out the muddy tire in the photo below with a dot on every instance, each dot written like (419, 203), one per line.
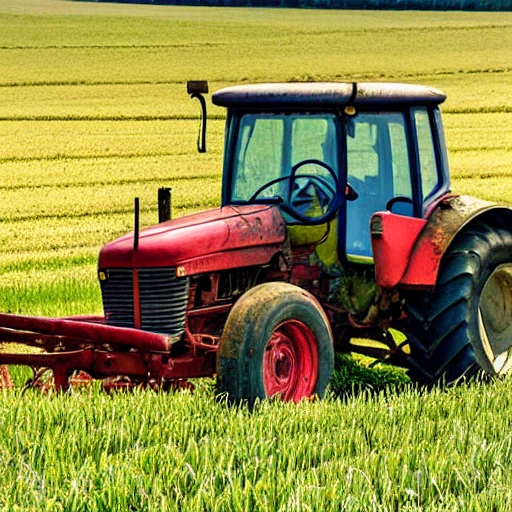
(466, 323)
(277, 342)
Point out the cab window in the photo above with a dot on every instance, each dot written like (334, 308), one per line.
(426, 153)
(269, 145)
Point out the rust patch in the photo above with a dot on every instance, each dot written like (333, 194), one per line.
(449, 216)
(5, 377)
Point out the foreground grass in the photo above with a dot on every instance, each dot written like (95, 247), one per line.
(430, 451)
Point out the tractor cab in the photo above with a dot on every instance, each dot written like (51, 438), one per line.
(333, 154)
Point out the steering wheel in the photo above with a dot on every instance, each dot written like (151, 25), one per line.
(300, 196)
(327, 193)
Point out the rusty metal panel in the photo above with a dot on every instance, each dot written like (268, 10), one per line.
(197, 236)
(408, 251)
(233, 259)
(448, 217)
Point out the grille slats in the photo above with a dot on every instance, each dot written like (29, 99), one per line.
(117, 294)
(163, 299)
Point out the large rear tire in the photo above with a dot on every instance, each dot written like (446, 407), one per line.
(277, 342)
(466, 323)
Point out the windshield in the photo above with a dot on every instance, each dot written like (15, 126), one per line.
(269, 145)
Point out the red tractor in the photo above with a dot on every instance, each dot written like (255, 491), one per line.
(337, 225)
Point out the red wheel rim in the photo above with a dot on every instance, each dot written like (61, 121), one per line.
(290, 362)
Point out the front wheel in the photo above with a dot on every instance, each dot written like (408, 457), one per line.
(466, 323)
(277, 342)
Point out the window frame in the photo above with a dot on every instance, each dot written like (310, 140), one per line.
(440, 154)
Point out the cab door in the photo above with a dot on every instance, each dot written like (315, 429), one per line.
(378, 171)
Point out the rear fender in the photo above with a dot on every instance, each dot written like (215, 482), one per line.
(408, 251)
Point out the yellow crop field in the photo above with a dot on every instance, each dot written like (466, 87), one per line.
(94, 111)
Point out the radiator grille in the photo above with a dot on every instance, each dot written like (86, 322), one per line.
(117, 293)
(162, 299)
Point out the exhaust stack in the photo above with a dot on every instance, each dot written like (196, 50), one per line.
(164, 204)
(136, 224)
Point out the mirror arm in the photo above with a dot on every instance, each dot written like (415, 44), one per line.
(201, 137)
(196, 89)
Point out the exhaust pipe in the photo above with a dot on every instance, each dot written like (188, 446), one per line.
(136, 224)
(164, 204)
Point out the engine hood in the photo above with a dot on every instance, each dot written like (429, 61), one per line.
(221, 238)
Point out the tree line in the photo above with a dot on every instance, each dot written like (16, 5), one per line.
(441, 5)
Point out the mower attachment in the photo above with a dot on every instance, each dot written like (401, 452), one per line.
(86, 344)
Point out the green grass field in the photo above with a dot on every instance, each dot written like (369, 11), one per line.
(93, 112)
(436, 451)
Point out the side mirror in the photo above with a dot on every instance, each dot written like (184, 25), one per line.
(196, 89)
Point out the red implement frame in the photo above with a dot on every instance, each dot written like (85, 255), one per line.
(87, 344)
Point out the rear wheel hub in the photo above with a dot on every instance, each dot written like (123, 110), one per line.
(495, 318)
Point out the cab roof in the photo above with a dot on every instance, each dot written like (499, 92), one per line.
(327, 95)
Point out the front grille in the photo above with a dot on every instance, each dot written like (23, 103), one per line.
(162, 299)
(117, 293)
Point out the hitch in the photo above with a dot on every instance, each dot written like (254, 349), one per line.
(5, 377)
